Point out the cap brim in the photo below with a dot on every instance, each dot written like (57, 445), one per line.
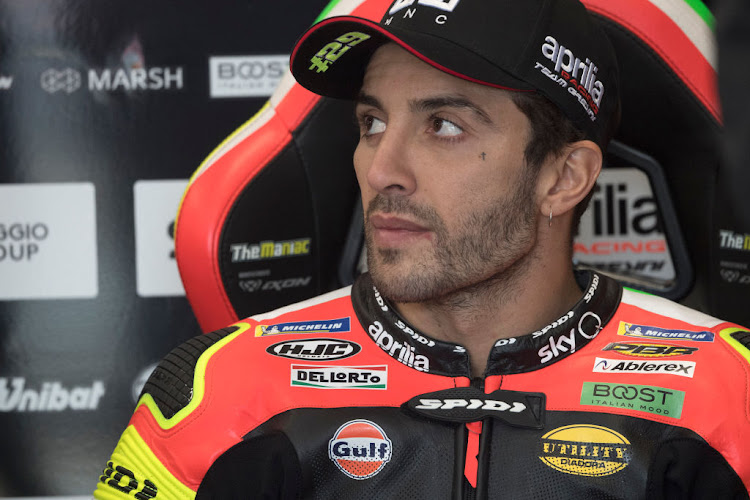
(341, 74)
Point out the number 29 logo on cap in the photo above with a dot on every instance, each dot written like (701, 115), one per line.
(360, 449)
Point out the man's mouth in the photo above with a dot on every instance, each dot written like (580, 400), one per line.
(389, 230)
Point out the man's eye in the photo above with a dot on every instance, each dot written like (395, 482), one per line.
(445, 128)
(372, 125)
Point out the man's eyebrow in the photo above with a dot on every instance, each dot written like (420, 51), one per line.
(450, 101)
(368, 100)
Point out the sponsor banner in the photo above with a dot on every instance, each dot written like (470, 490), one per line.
(340, 377)
(69, 80)
(53, 396)
(48, 247)
(732, 240)
(643, 350)
(621, 231)
(155, 208)
(360, 449)
(585, 450)
(679, 368)
(252, 252)
(246, 76)
(315, 349)
(652, 332)
(340, 325)
(643, 398)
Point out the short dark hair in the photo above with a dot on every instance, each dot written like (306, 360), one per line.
(551, 131)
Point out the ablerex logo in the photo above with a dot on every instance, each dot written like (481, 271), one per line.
(340, 377)
(681, 368)
(360, 449)
(643, 398)
(585, 450)
(320, 326)
(315, 349)
(647, 350)
(652, 332)
(470, 404)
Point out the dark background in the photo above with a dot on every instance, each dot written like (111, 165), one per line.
(111, 139)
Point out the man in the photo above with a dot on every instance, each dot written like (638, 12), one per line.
(471, 361)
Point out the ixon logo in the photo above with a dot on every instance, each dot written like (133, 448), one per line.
(360, 449)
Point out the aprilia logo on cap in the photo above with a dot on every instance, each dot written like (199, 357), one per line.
(573, 73)
(446, 5)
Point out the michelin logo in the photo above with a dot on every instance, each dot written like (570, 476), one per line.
(650, 332)
(331, 326)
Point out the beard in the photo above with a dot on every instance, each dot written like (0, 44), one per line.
(487, 251)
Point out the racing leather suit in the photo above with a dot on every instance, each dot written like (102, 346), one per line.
(625, 396)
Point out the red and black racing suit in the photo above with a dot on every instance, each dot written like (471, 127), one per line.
(625, 396)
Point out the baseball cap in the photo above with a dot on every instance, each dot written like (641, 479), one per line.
(553, 47)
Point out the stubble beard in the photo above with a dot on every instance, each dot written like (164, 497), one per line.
(488, 254)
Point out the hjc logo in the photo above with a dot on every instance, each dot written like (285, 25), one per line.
(446, 5)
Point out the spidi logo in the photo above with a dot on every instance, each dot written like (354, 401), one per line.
(51, 396)
(360, 449)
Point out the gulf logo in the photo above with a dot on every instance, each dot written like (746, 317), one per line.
(360, 449)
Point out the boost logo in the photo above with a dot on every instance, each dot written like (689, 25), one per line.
(585, 450)
(360, 449)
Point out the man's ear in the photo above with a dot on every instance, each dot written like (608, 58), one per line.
(567, 179)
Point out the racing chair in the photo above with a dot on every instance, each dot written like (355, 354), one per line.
(272, 216)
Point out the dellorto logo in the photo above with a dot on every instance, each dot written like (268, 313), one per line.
(585, 450)
(340, 377)
(249, 252)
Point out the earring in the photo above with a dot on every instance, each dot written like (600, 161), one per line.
(550, 217)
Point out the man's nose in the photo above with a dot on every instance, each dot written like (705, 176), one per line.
(391, 170)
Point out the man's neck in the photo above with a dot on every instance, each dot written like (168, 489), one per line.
(517, 302)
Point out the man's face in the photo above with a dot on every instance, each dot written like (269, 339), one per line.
(449, 202)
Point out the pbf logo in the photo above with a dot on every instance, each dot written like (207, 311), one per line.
(360, 449)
